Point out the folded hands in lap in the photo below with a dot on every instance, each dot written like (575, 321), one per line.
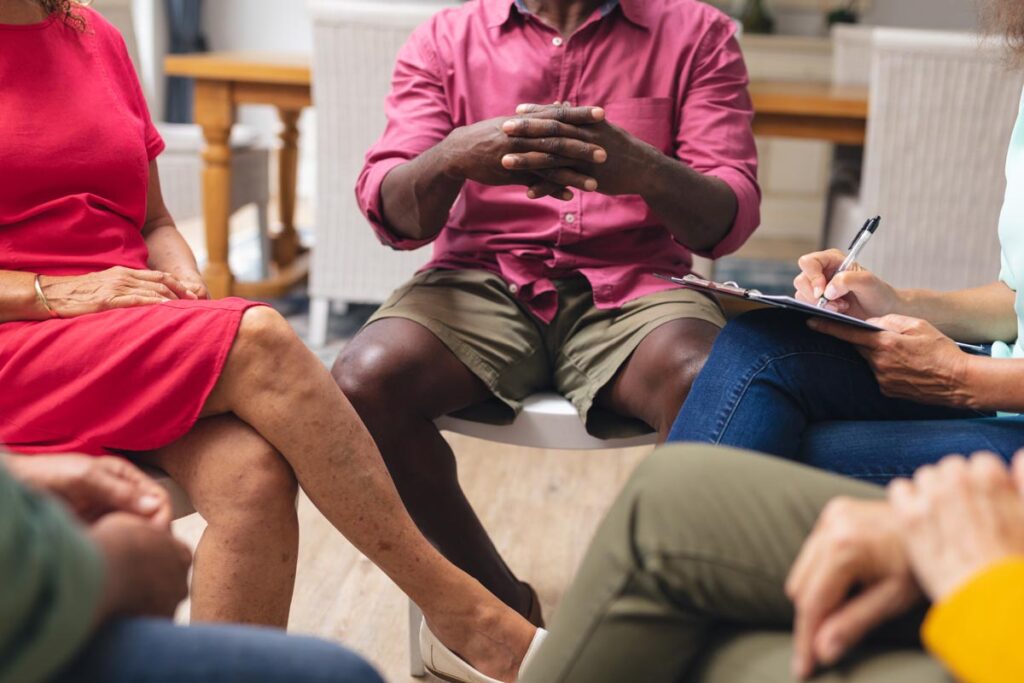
(119, 287)
(867, 562)
(95, 486)
(128, 517)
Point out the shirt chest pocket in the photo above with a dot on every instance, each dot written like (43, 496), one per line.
(652, 119)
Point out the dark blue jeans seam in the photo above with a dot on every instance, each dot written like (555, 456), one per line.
(730, 409)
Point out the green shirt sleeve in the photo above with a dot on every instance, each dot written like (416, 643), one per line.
(51, 580)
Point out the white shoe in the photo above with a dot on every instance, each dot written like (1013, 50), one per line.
(448, 666)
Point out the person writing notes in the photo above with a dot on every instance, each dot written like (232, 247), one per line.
(873, 405)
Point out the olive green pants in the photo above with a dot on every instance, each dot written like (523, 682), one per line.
(684, 580)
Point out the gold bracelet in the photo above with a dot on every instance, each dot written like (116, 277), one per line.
(42, 298)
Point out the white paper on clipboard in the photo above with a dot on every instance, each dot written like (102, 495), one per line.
(759, 300)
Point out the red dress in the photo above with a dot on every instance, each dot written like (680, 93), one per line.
(76, 140)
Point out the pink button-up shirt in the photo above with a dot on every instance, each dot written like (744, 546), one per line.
(668, 71)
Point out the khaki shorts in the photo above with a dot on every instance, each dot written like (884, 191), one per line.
(516, 355)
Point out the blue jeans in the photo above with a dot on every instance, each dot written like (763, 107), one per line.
(157, 651)
(773, 385)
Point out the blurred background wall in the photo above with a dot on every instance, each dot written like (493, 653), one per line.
(285, 26)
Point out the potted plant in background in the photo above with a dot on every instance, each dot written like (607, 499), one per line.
(756, 19)
(847, 14)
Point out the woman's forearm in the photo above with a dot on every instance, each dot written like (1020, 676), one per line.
(995, 384)
(980, 315)
(168, 250)
(18, 300)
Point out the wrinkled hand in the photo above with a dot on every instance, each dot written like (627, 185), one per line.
(95, 486)
(146, 568)
(116, 287)
(193, 282)
(857, 292)
(852, 575)
(911, 359)
(477, 152)
(959, 517)
(619, 169)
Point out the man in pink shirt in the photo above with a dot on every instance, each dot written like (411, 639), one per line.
(547, 221)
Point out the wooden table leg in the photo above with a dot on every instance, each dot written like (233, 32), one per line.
(215, 113)
(286, 243)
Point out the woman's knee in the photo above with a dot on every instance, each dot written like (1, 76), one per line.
(253, 484)
(264, 481)
(264, 334)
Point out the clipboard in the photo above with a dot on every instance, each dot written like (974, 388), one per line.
(736, 300)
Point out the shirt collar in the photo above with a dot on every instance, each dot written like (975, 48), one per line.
(499, 11)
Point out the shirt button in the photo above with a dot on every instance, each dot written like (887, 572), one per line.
(557, 41)
(570, 218)
(514, 288)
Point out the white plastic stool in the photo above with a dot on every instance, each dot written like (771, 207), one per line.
(547, 421)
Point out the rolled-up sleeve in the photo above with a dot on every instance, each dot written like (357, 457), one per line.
(418, 118)
(715, 135)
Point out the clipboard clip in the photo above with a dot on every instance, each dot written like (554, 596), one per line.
(729, 287)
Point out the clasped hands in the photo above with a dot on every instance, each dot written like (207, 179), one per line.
(128, 516)
(550, 149)
(867, 562)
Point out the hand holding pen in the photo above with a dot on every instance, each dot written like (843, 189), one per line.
(846, 286)
(858, 244)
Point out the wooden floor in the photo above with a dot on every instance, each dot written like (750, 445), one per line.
(541, 508)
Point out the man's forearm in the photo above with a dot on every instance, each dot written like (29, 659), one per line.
(979, 315)
(418, 196)
(698, 210)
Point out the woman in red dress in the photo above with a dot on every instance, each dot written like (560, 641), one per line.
(109, 344)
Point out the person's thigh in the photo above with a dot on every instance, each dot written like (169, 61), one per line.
(629, 369)
(770, 377)
(882, 451)
(447, 339)
(700, 537)
(764, 657)
(157, 651)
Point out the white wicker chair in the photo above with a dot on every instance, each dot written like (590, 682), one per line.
(942, 108)
(355, 43)
(181, 163)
